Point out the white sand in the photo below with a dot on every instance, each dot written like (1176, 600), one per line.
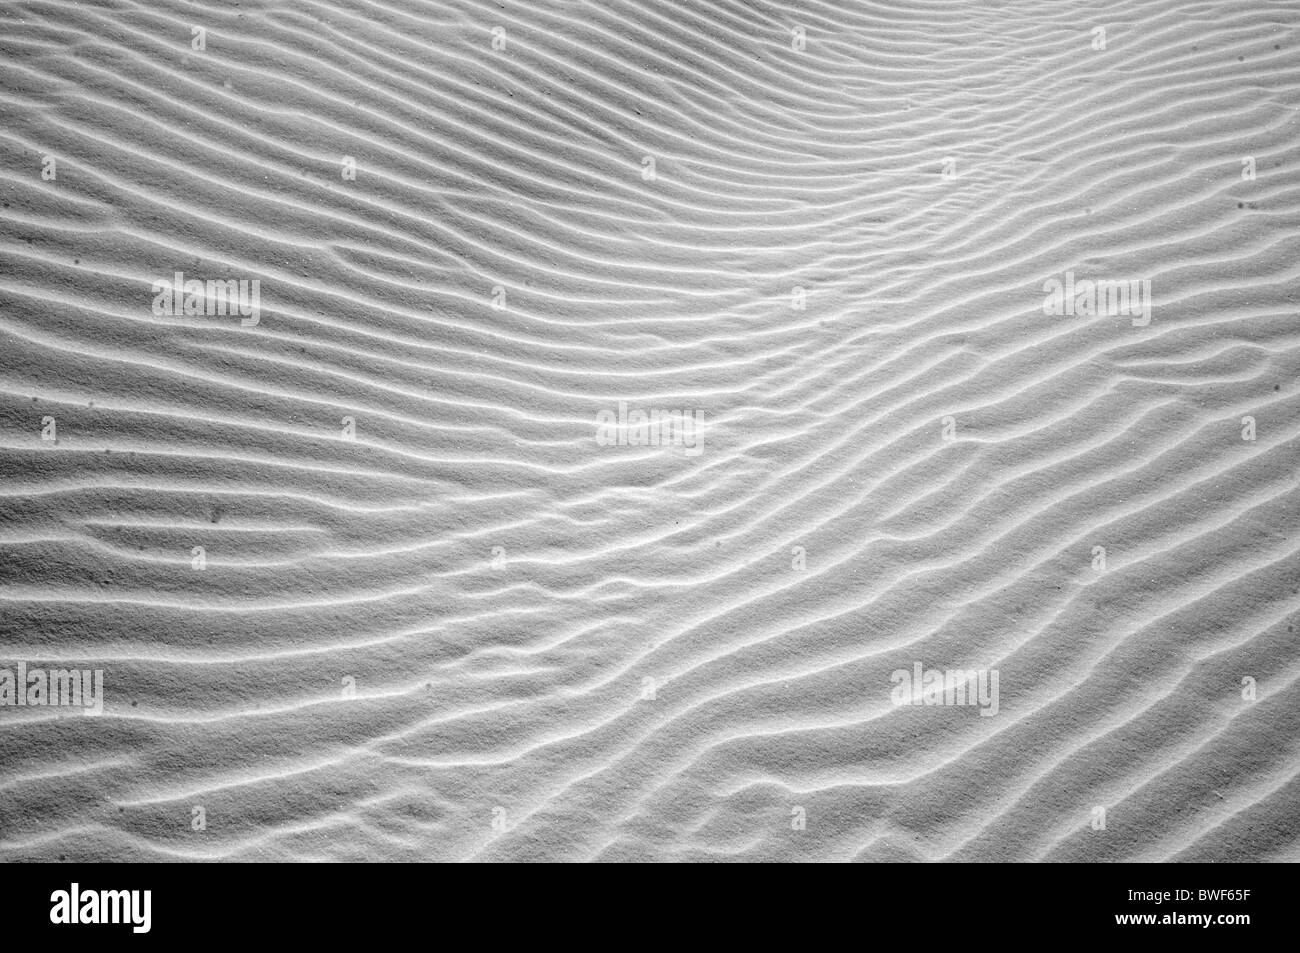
(472, 631)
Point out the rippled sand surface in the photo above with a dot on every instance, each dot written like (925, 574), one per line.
(366, 576)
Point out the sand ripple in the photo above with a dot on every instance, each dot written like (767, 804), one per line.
(458, 627)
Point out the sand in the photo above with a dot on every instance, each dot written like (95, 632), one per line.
(388, 566)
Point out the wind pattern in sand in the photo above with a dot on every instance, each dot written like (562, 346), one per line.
(366, 580)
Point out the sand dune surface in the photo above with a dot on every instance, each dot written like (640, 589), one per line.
(550, 430)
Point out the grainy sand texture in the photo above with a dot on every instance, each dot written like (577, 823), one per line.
(650, 430)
